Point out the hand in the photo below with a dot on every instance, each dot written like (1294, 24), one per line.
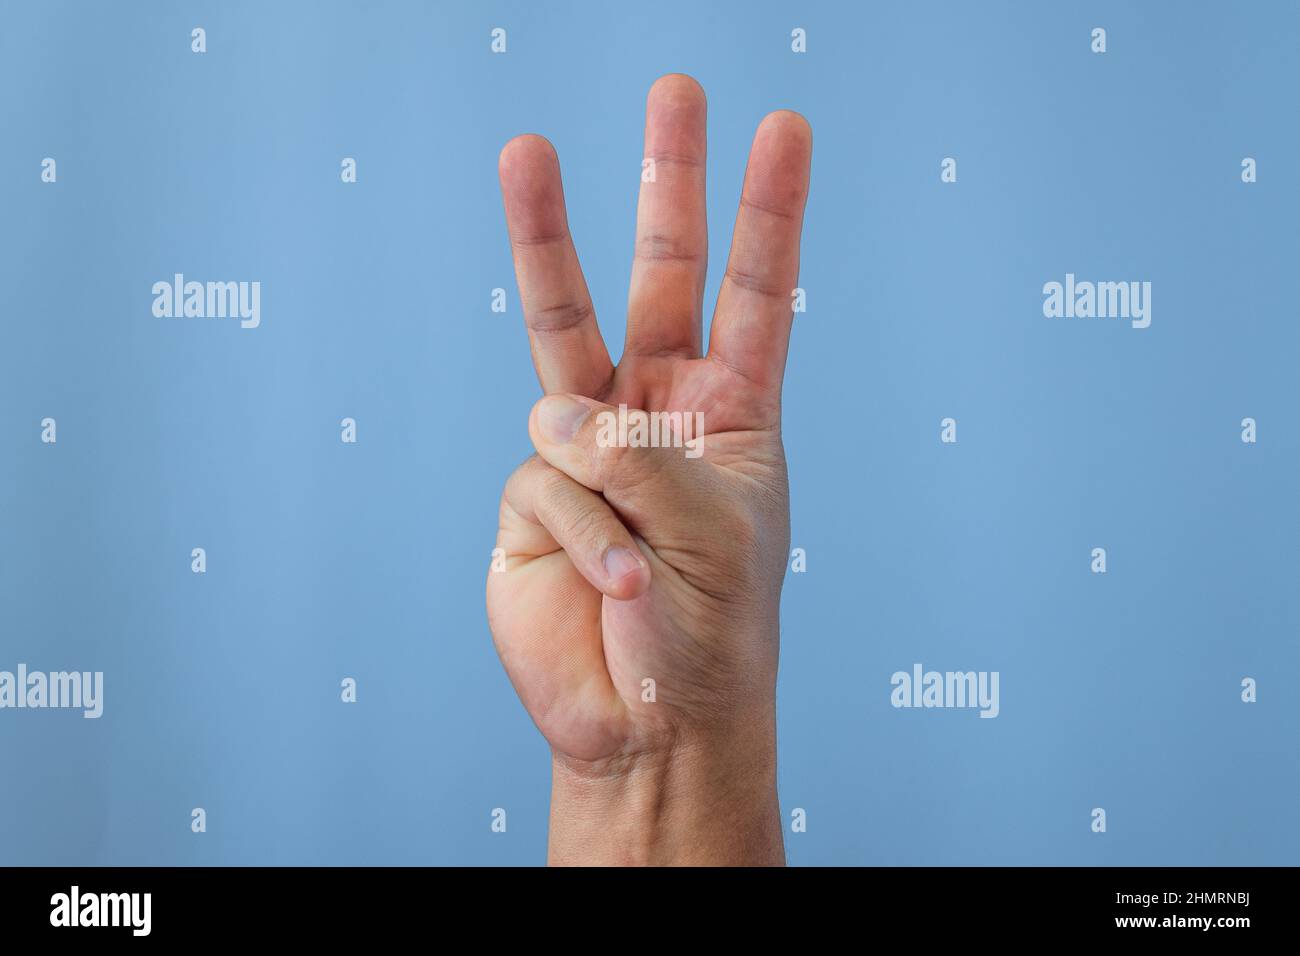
(630, 565)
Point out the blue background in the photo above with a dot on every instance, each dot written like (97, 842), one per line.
(328, 560)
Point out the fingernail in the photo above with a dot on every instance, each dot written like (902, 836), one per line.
(620, 562)
(559, 418)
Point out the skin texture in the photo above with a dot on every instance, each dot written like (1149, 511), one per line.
(626, 564)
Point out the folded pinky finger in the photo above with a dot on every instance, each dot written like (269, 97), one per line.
(584, 525)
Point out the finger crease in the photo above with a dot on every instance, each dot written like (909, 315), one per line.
(559, 318)
(748, 203)
(752, 283)
(663, 248)
(676, 159)
(527, 241)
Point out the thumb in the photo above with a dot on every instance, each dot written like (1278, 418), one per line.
(649, 466)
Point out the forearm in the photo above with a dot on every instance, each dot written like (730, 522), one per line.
(707, 805)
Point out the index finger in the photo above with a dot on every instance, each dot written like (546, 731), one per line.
(751, 324)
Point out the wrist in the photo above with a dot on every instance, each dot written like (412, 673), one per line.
(703, 802)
